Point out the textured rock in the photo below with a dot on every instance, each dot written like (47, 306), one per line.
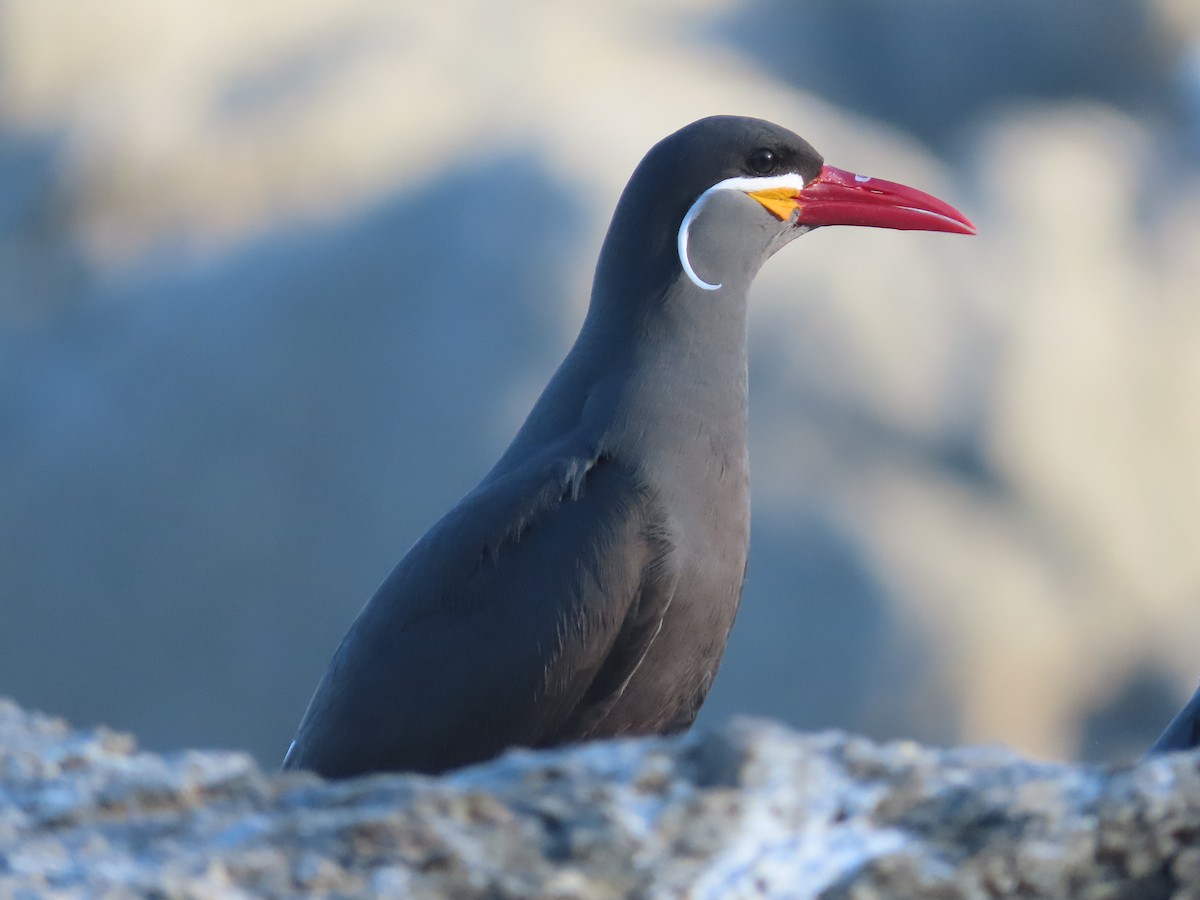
(754, 810)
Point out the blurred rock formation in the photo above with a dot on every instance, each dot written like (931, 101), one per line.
(751, 810)
(276, 289)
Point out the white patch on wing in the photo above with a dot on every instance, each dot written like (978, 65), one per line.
(741, 183)
(862, 179)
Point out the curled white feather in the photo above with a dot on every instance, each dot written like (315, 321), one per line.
(791, 180)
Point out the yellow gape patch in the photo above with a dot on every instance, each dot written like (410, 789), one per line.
(781, 201)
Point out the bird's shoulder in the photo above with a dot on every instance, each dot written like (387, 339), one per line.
(496, 624)
(570, 518)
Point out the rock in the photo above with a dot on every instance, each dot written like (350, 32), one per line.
(753, 810)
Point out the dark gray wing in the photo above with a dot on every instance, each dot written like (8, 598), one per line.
(494, 627)
(1184, 731)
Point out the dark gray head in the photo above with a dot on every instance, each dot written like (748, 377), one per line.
(709, 204)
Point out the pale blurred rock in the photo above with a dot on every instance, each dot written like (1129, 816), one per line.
(1057, 557)
(277, 285)
(754, 810)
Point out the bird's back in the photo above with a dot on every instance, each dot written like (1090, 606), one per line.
(521, 619)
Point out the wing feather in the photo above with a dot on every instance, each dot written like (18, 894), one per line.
(493, 629)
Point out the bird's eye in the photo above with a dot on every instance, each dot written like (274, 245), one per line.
(763, 161)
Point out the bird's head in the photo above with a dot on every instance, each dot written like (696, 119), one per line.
(729, 191)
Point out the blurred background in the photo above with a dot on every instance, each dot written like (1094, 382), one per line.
(278, 283)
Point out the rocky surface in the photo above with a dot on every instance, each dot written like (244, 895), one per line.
(753, 810)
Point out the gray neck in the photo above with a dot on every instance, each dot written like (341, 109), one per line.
(662, 385)
(658, 372)
(683, 387)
